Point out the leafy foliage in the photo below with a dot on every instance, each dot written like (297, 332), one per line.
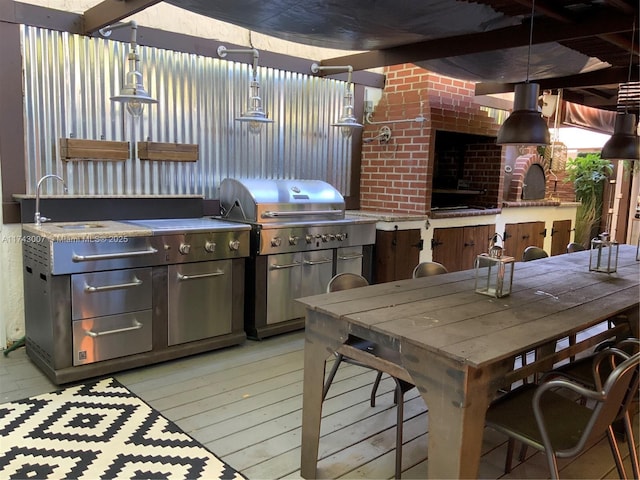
(588, 173)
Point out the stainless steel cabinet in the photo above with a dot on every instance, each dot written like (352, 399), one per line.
(284, 283)
(349, 260)
(199, 300)
(111, 314)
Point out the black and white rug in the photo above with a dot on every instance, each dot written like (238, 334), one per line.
(98, 430)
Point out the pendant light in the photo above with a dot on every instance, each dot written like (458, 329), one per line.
(347, 121)
(255, 116)
(525, 125)
(133, 93)
(623, 144)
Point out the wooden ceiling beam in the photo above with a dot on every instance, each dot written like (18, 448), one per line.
(607, 76)
(545, 31)
(109, 12)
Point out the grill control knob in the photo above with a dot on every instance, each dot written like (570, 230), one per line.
(293, 240)
(184, 248)
(234, 244)
(210, 246)
(325, 237)
(276, 241)
(332, 237)
(340, 236)
(309, 238)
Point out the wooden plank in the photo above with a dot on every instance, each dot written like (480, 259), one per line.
(168, 152)
(358, 441)
(77, 149)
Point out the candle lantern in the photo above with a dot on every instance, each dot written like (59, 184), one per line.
(604, 254)
(494, 271)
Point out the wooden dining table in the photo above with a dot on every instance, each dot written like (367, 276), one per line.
(458, 346)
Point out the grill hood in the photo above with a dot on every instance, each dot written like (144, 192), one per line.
(275, 201)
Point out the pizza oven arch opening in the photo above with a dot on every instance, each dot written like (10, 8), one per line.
(533, 186)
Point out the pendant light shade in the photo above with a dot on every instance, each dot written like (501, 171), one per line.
(254, 115)
(347, 121)
(623, 144)
(525, 125)
(132, 94)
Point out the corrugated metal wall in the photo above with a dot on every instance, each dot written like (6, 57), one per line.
(70, 78)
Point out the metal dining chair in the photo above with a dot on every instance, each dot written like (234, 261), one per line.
(533, 253)
(367, 354)
(542, 417)
(586, 370)
(575, 247)
(426, 269)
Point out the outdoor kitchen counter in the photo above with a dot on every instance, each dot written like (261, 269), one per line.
(79, 231)
(386, 216)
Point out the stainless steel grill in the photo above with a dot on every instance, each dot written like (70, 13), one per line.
(300, 237)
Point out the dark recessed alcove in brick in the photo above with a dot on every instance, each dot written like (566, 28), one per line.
(466, 171)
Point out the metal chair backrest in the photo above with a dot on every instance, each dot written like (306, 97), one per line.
(533, 253)
(575, 247)
(620, 384)
(345, 281)
(426, 269)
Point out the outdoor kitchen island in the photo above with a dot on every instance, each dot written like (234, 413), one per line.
(104, 296)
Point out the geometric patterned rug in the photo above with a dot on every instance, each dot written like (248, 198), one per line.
(99, 430)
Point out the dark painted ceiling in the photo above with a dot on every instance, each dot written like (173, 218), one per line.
(585, 47)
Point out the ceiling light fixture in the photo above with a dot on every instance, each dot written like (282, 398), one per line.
(525, 125)
(624, 143)
(347, 121)
(133, 93)
(255, 116)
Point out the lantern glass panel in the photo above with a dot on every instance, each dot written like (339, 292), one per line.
(494, 276)
(603, 256)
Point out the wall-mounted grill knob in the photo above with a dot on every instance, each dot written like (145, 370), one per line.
(276, 241)
(210, 246)
(234, 244)
(184, 248)
(293, 240)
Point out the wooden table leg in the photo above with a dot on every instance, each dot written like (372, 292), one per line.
(315, 354)
(457, 398)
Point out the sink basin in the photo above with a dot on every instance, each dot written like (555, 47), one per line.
(80, 226)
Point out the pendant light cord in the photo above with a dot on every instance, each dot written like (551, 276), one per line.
(533, 9)
(633, 36)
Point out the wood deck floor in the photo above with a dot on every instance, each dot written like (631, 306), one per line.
(245, 404)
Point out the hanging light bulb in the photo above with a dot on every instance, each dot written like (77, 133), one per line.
(255, 115)
(624, 143)
(347, 121)
(133, 93)
(135, 108)
(525, 125)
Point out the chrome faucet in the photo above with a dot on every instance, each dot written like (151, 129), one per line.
(37, 218)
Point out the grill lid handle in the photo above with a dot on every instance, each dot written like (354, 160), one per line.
(305, 213)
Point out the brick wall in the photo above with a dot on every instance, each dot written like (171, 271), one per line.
(397, 176)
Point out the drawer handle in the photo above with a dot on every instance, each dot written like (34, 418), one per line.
(136, 326)
(200, 275)
(275, 266)
(111, 256)
(103, 288)
(318, 262)
(350, 257)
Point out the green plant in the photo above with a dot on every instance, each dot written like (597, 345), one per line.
(588, 173)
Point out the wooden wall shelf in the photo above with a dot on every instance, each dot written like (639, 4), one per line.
(76, 149)
(168, 152)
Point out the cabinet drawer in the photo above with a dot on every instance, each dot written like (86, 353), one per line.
(111, 292)
(103, 338)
